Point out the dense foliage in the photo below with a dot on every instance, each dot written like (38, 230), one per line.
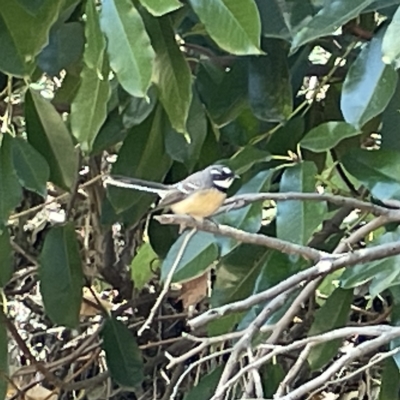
(293, 292)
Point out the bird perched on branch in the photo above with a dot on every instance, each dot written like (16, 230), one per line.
(199, 195)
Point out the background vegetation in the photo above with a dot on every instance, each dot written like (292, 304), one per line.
(295, 293)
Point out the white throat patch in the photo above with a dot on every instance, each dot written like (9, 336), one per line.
(223, 183)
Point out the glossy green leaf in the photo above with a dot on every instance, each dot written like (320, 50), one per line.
(297, 220)
(65, 47)
(234, 282)
(333, 314)
(48, 134)
(3, 357)
(32, 169)
(369, 85)
(390, 43)
(234, 24)
(143, 266)
(128, 45)
(10, 189)
(89, 108)
(206, 386)
(6, 258)
(159, 8)
(61, 275)
(24, 34)
(270, 91)
(248, 218)
(143, 145)
(379, 171)
(390, 384)
(95, 41)
(171, 74)
(199, 254)
(383, 273)
(327, 135)
(331, 16)
(123, 356)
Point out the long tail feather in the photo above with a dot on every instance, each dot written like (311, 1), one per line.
(136, 184)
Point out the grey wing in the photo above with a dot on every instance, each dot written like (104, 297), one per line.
(194, 182)
(173, 196)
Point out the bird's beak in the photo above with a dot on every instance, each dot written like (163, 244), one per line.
(237, 176)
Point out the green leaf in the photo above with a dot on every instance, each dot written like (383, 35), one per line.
(270, 90)
(200, 252)
(390, 383)
(390, 42)
(171, 74)
(248, 218)
(95, 41)
(383, 274)
(297, 220)
(234, 282)
(123, 356)
(197, 129)
(89, 108)
(234, 24)
(282, 20)
(333, 314)
(331, 16)
(111, 133)
(143, 266)
(32, 169)
(206, 386)
(137, 109)
(128, 45)
(327, 135)
(10, 189)
(247, 157)
(159, 8)
(378, 170)
(24, 34)
(65, 47)
(48, 134)
(272, 374)
(6, 258)
(61, 276)
(143, 145)
(223, 92)
(391, 122)
(285, 265)
(3, 357)
(369, 85)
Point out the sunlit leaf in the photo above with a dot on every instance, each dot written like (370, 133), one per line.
(128, 45)
(233, 24)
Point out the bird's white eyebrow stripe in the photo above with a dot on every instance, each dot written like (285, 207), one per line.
(227, 170)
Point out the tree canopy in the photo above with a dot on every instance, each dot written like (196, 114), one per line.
(292, 291)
